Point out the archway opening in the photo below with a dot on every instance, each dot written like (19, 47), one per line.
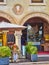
(4, 19)
(6, 36)
(38, 32)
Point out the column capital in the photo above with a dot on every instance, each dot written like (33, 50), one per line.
(18, 38)
(18, 33)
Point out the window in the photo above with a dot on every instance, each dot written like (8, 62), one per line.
(10, 38)
(37, 2)
(2, 2)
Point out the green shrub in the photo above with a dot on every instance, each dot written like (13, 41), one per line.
(31, 49)
(5, 51)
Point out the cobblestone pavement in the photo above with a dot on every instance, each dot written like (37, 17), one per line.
(30, 63)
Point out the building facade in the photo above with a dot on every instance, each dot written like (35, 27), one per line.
(25, 11)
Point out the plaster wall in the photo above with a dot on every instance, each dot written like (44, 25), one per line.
(27, 9)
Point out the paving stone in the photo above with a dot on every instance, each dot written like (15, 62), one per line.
(29, 63)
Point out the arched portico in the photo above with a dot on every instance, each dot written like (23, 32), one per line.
(7, 16)
(41, 20)
(34, 14)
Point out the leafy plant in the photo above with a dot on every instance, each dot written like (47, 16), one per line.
(5, 51)
(31, 49)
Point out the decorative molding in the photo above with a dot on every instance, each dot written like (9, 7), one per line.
(17, 9)
(34, 14)
(18, 33)
(7, 16)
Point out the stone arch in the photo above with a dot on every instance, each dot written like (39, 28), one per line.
(34, 14)
(7, 16)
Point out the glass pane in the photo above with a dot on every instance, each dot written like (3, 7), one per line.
(10, 38)
(36, 1)
(31, 33)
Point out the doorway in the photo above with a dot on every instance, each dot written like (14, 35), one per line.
(36, 32)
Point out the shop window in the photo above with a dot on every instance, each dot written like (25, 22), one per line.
(2, 2)
(10, 38)
(37, 2)
(32, 33)
(35, 33)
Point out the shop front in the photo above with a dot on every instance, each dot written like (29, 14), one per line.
(37, 32)
(10, 34)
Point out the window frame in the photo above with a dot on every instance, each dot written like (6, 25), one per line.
(2, 3)
(10, 37)
(44, 3)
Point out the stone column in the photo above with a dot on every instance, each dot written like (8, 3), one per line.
(18, 39)
(4, 37)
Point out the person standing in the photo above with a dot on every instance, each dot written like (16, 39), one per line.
(15, 52)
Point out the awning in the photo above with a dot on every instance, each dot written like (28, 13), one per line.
(10, 25)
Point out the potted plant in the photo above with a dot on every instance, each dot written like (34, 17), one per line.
(31, 51)
(5, 52)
